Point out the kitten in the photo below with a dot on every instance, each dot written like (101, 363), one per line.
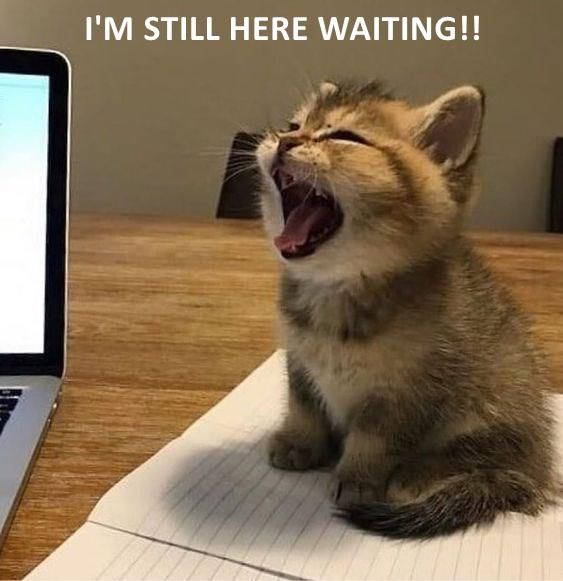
(410, 367)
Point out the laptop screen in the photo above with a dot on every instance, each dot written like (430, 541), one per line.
(24, 142)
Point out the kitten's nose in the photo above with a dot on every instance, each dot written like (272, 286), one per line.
(288, 142)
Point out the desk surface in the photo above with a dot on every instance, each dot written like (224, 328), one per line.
(166, 315)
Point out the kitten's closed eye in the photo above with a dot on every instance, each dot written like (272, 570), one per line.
(344, 135)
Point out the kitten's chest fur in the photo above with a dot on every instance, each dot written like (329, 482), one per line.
(358, 341)
(346, 375)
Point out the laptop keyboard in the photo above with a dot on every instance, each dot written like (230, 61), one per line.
(8, 400)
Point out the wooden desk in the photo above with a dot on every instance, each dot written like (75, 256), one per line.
(166, 315)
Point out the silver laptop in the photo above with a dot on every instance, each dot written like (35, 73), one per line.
(34, 121)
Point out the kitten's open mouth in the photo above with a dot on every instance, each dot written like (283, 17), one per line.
(311, 216)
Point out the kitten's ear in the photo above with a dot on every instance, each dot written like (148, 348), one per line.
(450, 126)
(327, 88)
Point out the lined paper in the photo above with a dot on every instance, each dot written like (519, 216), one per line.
(209, 505)
(76, 560)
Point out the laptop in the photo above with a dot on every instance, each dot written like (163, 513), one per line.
(34, 130)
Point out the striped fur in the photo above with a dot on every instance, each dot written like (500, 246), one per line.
(411, 368)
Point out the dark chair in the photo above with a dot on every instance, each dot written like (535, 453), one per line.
(238, 197)
(556, 207)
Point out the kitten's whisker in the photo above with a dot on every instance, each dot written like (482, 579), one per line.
(273, 131)
(251, 140)
(238, 172)
(229, 149)
(243, 163)
(241, 168)
(333, 190)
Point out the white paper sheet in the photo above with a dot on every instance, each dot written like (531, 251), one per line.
(210, 495)
(96, 552)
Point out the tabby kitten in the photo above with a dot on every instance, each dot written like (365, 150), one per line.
(410, 367)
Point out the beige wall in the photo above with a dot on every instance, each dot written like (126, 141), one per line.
(146, 113)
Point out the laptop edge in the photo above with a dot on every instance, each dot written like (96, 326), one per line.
(21, 441)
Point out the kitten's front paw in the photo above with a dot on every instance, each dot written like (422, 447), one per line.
(345, 493)
(288, 451)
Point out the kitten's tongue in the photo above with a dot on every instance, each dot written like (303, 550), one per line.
(307, 219)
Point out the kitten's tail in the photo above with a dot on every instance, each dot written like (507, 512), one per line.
(461, 501)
